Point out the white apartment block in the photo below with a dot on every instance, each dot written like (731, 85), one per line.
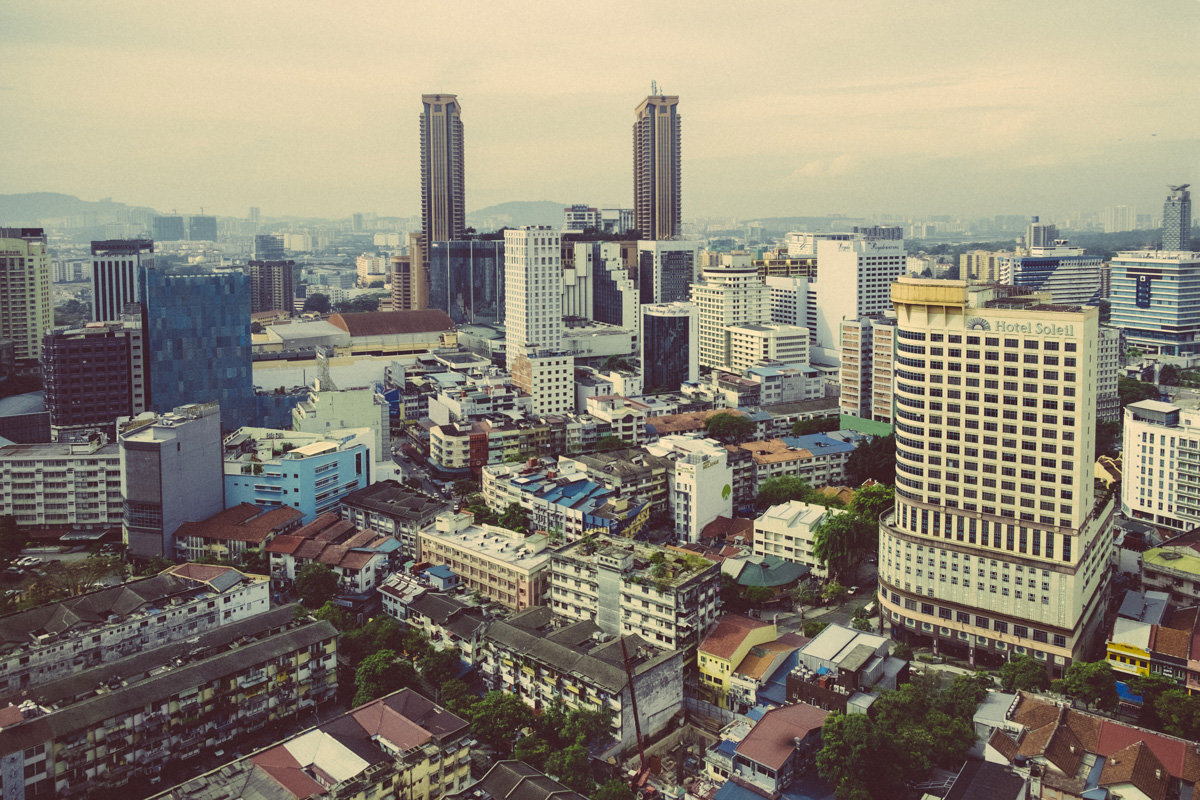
(751, 345)
(700, 487)
(866, 368)
(627, 417)
(853, 278)
(67, 484)
(996, 545)
(373, 269)
(629, 587)
(786, 531)
(548, 378)
(1160, 480)
(1108, 403)
(731, 294)
(792, 301)
(533, 296)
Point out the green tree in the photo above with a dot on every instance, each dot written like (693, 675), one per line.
(857, 760)
(316, 584)
(757, 595)
(1151, 688)
(439, 666)
(1130, 390)
(317, 303)
(572, 766)
(382, 673)
(534, 750)
(783, 489)
(464, 487)
(805, 594)
(613, 789)
(59, 580)
(1024, 674)
(873, 459)
(862, 624)
(12, 541)
(380, 633)
(869, 502)
(588, 726)
(514, 518)
(1179, 713)
(1134, 354)
(154, 565)
(1168, 375)
(609, 443)
(1108, 438)
(814, 626)
(456, 696)
(841, 540)
(498, 718)
(729, 428)
(1091, 683)
(335, 615)
(834, 592)
(803, 427)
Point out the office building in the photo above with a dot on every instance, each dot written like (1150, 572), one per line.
(402, 283)
(865, 376)
(1070, 275)
(504, 566)
(271, 286)
(93, 375)
(1153, 302)
(618, 584)
(793, 301)
(1177, 219)
(75, 483)
(400, 745)
(699, 484)
(535, 657)
(787, 383)
(614, 294)
(670, 341)
(220, 686)
(311, 472)
(1108, 373)
(336, 409)
(1160, 482)
(371, 269)
(666, 270)
(26, 309)
(982, 265)
(1120, 218)
(657, 165)
(254, 216)
(202, 229)
(198, 343)
(269, 247)
(168, 229)
(997, 545)
(172, 473)
(731, 294)
(116, 265)
(533, 319)
(580, 217)
(856, 275)
(102, 626)
(755, 345)
(443, 210)
(1040, 234)
(466, 280)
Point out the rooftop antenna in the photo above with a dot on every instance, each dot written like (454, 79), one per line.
(653, 88)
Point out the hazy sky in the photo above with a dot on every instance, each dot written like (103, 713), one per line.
(802, 108)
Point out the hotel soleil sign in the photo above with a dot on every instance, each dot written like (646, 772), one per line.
(1035, 328)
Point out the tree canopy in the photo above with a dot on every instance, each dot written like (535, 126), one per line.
(1131, 390)
(1091, 683)
(784, 488)
(729, 428)
(1024, 674)
(873, 459)
(803, 427)
(382, 673)
(316, 584)
(514, 518)
(607, 444)
(317, 303)
(841, 540)
(869, 502)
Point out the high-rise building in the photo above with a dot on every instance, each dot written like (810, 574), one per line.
(254, 216)
(793, 301)
(666, 270)
(755, 344)
(418, 256)
(466, 280)
(202, 228)
(402, 283)
(1177, 219)
(670, 340)
(657, 181)
(1108, 373)
(174, 472)
(269, 247)
(26, 310)
(271, 285)
(996, 545)
(731, 294)
(865, 379)
(1040, 234)
(168, 229)
(1161, 481)
(853, 276)
(443, 193)
(981, 265)
(614, 294)
(356, 222)
(116, 265)
(93, 375)
(1068, 273)
(1120, 218)
(580, 217)
(197, 334)
(533, 319)
(1152, 300)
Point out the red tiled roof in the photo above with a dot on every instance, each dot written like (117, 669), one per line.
(731, 631)
(284, 544)
(384, 323)
(287, 771)
(245, 522)
(1136, 765)
(772, 741)
(199, 572)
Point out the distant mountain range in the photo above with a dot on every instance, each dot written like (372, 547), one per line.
(27, 209)
(517, 213)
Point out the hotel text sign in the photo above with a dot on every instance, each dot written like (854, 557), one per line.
(1037, 328)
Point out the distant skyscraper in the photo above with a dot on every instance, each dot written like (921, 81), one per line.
(202, 229)
(1177, 219)
(271, 286)
(168, 229)
(443, 215)
(269, 247)
(115, 266)
(356, 222)
(656, 168)
(402, 283)
(1040, 234)
(26, 310)
(1120, 218)
(670, 344)
(1068, 273)
(466, 280)
(666, 270)
(255, 215)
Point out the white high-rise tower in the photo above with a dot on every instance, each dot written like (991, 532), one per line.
(533, 318)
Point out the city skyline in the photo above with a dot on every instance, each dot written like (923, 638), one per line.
(308, 113)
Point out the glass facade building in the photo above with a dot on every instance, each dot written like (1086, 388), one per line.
(1156, 301)
(669, 344)
(466, 280)
(1070, 275)
(197, 332)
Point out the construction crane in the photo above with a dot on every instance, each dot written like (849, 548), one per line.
(638, 782)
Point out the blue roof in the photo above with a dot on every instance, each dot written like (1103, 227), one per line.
(818, 444)
(774, 688)
(1127, 696)
(727, 747)
(440, 571)
(757, 712)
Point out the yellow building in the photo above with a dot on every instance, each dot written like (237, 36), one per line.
(1128, 649)
(724, 649)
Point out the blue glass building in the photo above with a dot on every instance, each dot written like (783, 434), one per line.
(197, 333)
(1156, 301)
(466, 280)
(1070, 275)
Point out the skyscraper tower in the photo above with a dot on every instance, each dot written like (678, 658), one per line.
(443, 217)
(26, 310)
(533, 319)
(1177, 219)
(656, 168)
(115, 266)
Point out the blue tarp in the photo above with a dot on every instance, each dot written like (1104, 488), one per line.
(1127, 696)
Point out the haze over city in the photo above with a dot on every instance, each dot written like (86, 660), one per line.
(788, 108)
